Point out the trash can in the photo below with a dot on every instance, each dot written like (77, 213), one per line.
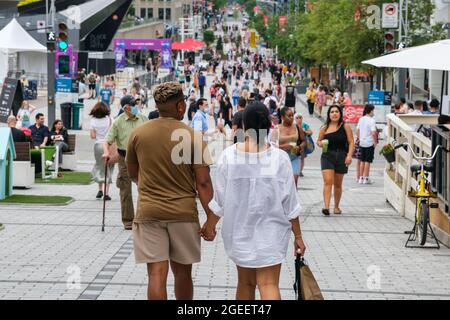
(66, 114)
(77, 115)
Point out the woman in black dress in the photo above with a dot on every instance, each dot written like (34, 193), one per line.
(337, 143)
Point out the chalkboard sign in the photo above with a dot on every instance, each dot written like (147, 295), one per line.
(10, 99)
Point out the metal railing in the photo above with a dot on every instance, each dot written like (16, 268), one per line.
(441, 177)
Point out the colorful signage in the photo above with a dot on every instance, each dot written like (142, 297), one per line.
(164, 46)
(352, 114)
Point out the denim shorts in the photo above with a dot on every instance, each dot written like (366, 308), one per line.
(334, 160)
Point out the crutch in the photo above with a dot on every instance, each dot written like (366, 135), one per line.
(104, 194)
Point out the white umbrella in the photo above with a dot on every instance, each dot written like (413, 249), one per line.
(14, 38)
(433, 56)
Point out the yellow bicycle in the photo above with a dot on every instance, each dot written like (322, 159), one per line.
(422, 194)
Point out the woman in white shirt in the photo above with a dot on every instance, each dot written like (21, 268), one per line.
(100, 124)
(256, 228)
(24, 114)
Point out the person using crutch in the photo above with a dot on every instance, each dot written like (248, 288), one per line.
(119, 134)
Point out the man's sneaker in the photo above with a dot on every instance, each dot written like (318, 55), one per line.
(368, 181)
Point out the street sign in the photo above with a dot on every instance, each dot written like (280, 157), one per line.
(390, 16)
(51, 37)
(63, 85)
(40, 25)
(10, 99)
(376, 98)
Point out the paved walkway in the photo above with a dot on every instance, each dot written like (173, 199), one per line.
(61, 253)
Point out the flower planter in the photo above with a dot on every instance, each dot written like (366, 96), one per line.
(390, 157)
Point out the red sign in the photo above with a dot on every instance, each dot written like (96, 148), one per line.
(352, 114)
(390, 10)
(266, 21)
(282, 23)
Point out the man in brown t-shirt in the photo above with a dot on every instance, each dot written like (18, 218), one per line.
(170, 163)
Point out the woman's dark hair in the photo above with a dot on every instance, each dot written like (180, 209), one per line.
(341, 118)
(284, 111)
(100, 110)
(256, 117)
(368, 109)
(54, 125)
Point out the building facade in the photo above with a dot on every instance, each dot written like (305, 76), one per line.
(154, 9)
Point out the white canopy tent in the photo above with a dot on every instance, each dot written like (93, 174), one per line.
(15, 39)
(433, 56)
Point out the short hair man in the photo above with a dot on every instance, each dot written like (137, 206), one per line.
(238, 120)
(119, 133)
(166, 228)
(199, 122)
(434, 107)
(39, 132)
(18, 135)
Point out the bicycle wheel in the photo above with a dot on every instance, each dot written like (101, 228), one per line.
(423, 223)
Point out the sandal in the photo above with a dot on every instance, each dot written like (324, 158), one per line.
(337, 211)
(326, 212)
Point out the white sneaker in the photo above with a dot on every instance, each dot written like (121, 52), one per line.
(48, 163)
(368, 181)
(361, 180)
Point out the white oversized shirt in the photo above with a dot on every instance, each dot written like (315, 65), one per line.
(256, 196)
(366, 125)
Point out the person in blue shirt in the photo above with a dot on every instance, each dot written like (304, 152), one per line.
(106, 95)
(39, 132)
(201, 84)
(199, 122)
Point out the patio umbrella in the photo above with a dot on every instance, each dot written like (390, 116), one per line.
(433, 56)
(188, 45)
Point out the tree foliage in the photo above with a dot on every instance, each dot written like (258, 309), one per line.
(208, 37)
(332, 32)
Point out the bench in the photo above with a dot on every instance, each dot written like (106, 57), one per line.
(69, 158)
(23, 169)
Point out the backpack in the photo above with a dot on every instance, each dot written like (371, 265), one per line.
(212, 90)
(272, 106)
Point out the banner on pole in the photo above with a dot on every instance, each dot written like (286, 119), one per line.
(253, 40)
(282, 23)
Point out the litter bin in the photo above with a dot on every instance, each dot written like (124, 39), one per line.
(66, 114)
(77, 115)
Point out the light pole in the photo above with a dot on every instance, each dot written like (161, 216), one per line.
(51, 68)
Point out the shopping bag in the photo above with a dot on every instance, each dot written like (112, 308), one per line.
(305, 286)
(310, 147)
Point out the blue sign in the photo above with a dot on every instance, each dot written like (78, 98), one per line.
(63, 85)
(376, 98)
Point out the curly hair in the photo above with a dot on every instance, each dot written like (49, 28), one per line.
(168, 92)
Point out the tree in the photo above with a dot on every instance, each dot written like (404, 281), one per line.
(208, 37)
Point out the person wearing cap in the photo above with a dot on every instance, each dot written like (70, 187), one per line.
(119, 133)
(166, 229)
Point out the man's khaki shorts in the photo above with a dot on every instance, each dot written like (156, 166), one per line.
(161, 241)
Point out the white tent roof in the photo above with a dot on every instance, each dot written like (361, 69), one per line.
(433, 56)
(14, 38)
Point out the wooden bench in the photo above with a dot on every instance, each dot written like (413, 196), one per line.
(69, 158)
(23, 169)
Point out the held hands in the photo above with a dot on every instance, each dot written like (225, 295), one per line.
(208, 231)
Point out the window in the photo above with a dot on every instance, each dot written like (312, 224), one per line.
(161, 14)
(150, 13)
(168, 13)
(143, 13)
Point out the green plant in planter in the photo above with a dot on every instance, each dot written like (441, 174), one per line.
(388, 152)
(387, 149)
